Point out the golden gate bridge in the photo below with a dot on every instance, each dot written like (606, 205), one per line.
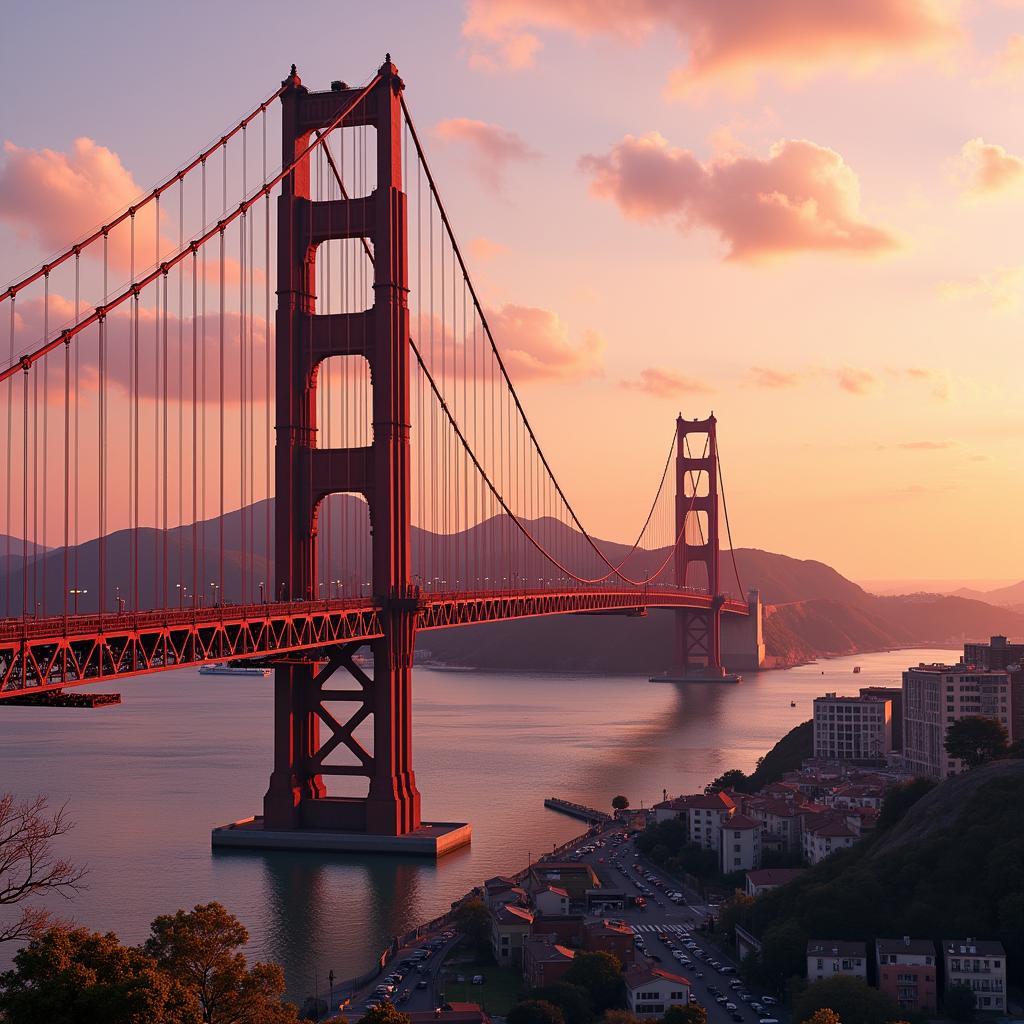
(290, 481)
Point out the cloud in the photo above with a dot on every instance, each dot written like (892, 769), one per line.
(484, 250)
(492, 148)
(535, 345)
(803, 197)
(766, 377)
(989, 168)
(663, 383)
(937, 381)
(856, 382)
(29, 324)
(925, 446)
(729, 41)
(1002, 288)
(54, 198)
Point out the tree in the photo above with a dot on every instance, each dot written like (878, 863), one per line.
(600, 975)
(825, 1016)
(74, 976)
(900, 799)
(959, 1002)
(570, 999)
(474, 921)
(849, 998)
(731, 779)
(975, 740)
(685, 1015)
(28, 865)
(619, 1017)
(620, 803)
(385, 1013)
(531, 1011)
(198, 950)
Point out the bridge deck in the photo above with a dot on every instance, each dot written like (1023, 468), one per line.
(51, 653)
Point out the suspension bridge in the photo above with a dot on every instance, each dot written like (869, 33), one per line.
(197, 472)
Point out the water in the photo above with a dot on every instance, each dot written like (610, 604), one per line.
(146, 781)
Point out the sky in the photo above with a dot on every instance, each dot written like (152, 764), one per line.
(797, 215)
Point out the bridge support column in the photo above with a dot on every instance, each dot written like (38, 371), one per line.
(698, 644)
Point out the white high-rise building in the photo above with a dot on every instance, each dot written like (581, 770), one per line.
(852, 728)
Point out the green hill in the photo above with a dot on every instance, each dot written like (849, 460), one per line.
(950, 866)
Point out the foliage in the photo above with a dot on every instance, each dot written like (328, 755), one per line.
(600, 975)
(685, 1015)
(849, 998)
(825, 1016)
(731, 779)
(199, 952)
(474, 921)
(963, 875)
(619, 1017)
(666, 843)
(573, 1001)
(975, 740)
(534, 1011)
(900, 799)
(620, 803)
(958, 1003)
(28, 865)
(385, 1013)
(74, 976)
(733, 910)
(795, 747)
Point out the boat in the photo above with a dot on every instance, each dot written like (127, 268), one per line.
(792, 703)
(856, 669)
(222, 668)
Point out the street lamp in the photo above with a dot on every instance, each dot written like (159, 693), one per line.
(74, 592)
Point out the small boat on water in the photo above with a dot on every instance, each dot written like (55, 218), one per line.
(222, 668)
(792, 703)
(856, 669)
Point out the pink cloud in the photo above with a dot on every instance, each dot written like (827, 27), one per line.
(990, 168)
(535, 345)
(766, 377)
(937, 381)
(662, 383)
(925, 446)
(29, 329)
(721, 41)
(803, 197)
(491, 147)
(856, 382)
(54, 198)
(484, 250)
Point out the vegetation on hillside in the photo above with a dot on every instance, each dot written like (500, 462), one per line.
(786, 756)
(945, 861)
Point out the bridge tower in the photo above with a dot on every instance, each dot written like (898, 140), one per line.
(698, 647)
(305, 474)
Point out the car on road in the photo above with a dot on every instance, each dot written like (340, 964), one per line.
(757, 1008)
(478, 979)
(736, 984)
(769, 1000)
(721, 1000)
(731, 1007)
(728, 969)
(422, 983)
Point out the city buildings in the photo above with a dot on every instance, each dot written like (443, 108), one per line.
(827, 834)
(828, 957)
(704, 815)
(998, 653)
(510, 926)
(980, 965)
(907, 972)
(740, 844)
(545, 961)
(766, 879)
(650, 991)
(895, 695)
(935, 696)
(852, 728)
(551, 900)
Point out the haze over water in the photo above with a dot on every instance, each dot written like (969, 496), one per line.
(146, 781)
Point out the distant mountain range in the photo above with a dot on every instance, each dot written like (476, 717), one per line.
(810, 609)
(1009, 597)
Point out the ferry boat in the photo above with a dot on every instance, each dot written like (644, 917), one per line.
(222, 668)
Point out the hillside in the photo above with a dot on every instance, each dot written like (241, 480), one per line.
(1009, 597)
(811, 610)
(951, 866)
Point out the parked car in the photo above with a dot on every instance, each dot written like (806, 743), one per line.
(422, 983)
(769, 1000)
(478, 979)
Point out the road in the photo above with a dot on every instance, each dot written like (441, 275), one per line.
(616, 865)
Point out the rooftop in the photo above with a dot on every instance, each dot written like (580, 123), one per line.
(508, 913)
(640, 976)
(973, 947)
(544, 949)
(741, 821)
(915, 947)
(774, 876)
(836, 947)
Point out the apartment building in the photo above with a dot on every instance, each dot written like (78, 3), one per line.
(828, 957)
(907, 972)
(704, 815)
(852, 728)
(979, 964)
(826, 834)
(935, 696)
(739, 844)
(650, 991)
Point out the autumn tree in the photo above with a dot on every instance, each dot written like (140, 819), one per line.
(385, 1013)
(199, 952)
(823, 1016)
(74, 976)
(29, 865)
(849, 998)
(975, 740)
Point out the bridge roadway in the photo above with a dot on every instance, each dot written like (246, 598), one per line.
(50, 653)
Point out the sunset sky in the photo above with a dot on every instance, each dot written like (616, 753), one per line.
(800, 215)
